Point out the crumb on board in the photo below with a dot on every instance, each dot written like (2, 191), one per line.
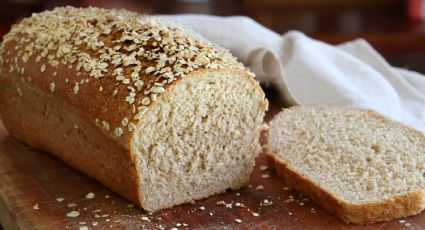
(264, 167)
(259, 188)
(265, 176)
(72, 205)
(73, 214)
(90, 195)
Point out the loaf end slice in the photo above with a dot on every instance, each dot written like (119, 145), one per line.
(356, 164)
(200, 139)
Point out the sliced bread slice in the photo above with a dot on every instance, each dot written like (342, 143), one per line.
(356, 164)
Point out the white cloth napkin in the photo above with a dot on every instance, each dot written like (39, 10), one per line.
(310, 72)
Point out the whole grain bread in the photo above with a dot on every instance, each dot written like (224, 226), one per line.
(147, 107)
(356, 164)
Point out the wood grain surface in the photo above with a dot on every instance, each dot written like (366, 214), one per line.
(29, 177)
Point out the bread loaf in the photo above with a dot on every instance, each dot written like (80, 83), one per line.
(357, 164)
(148, 108)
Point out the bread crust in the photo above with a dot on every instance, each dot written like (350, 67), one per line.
(409, 204)
(50, 124)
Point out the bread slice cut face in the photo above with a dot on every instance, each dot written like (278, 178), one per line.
(356, 164)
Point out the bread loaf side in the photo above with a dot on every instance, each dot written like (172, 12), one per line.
(147, 107)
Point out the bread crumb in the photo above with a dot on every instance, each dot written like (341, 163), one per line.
(76, 88)
(265, 176)
(71, 205)
(286, 188)
(60, 199)
(145, 218)
(52, 87)
(94, 224)
(81, 222)
(255, 214)
(107, 197)
(238, 220)
(35, 207)
(83, 228)
(263, 167)
(266, 202)
(240, 205)
(259, 187)
(73, 214)
(90, 195)
(290, 213)
(202, 208)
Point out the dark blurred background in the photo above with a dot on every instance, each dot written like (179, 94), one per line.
(393, 27)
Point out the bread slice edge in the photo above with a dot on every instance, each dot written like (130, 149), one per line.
(409, 204)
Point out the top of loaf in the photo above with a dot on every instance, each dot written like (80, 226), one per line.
(140, 56)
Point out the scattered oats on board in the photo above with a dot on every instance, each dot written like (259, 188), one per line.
(73, 214)
(266, 202)
(90, 195)
(255, 214)
(259, 187)
(35, 207)
(60, 199)
(72, 205)
(240, 205)
(263, 167)
(238, 220)
(202, 208)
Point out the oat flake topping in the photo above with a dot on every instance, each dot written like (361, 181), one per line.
(144, 54)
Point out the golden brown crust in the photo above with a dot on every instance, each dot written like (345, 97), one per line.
(386, 209)
(93, 53)
(47, 123)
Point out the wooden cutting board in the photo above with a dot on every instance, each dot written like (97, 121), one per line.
(31, 182)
